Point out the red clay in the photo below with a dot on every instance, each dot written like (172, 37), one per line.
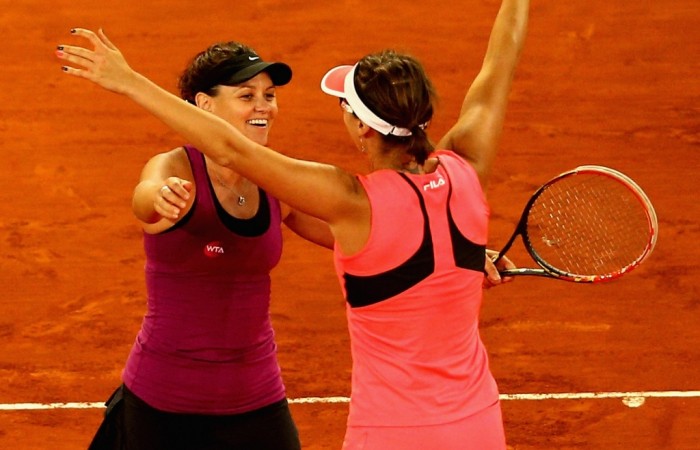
(601, 82)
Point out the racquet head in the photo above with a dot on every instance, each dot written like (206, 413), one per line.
(590, 224)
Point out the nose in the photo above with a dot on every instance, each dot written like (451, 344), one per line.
(262, 104)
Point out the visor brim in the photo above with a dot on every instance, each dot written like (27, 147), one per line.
(279, 73)
(333, 81)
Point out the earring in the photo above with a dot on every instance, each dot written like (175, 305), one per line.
(362, 146)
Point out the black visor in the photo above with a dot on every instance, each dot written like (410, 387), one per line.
(246, 66)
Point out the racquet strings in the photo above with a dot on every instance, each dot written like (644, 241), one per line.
(588, 224)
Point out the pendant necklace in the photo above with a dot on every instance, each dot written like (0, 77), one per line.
(241, 198)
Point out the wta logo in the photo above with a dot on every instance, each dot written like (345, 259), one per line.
(213, 249)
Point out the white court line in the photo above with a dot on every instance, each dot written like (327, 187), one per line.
(585, 395)
(625, 396)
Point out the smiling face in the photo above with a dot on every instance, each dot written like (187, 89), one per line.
(251, 106)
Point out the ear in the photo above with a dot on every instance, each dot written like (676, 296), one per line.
(203, 101)
(363, 130)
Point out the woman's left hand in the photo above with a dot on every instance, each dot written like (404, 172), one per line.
(104, 65)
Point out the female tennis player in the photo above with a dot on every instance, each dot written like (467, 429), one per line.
(203, 370)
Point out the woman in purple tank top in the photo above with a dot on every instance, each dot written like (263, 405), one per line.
(203, 370)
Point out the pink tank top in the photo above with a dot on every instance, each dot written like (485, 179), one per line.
(413, 298)
(206, 344)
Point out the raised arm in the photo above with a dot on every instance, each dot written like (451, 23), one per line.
(477, 132)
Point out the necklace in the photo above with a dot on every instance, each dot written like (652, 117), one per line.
(241, 198)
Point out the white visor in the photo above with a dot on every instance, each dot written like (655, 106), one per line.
(340, 82)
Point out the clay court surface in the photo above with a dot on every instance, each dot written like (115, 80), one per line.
(608, 82)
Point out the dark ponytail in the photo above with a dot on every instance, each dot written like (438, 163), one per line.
(396, 88)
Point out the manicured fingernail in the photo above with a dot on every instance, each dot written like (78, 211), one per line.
(64, 68)
(72, 30)
(60, 47)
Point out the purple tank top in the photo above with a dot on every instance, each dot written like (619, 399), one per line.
(206, 344)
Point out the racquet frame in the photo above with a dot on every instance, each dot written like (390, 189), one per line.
(546, 269)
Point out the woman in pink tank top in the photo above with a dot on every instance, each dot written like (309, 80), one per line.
(409, 236)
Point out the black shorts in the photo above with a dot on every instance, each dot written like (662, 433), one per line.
(131, 424)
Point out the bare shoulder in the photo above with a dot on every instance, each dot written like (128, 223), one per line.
(177, 156)
(171, 163)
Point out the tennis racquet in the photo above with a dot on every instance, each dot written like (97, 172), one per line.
(590, 224)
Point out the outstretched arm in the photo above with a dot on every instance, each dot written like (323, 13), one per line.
(477, 132)
(106, 67)
(320, 190)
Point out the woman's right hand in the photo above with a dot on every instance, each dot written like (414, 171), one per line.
(493, 277)
(172, 197)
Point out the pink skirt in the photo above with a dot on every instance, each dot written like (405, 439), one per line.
(480, 431)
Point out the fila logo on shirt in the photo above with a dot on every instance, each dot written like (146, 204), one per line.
(434, 184)
(213, 249)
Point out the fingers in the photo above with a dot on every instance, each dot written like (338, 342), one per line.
(79, 56)
(491, 270)
(106, 40)
(503, 264)
(181, 194)
(171, 198)
(492, 277)
(87, 34)
(187, 185)
(164, 203)
(76, 55)
(83, 56)
(79, 51)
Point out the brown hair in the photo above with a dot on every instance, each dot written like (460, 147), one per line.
(396, 88)
(201, 74)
